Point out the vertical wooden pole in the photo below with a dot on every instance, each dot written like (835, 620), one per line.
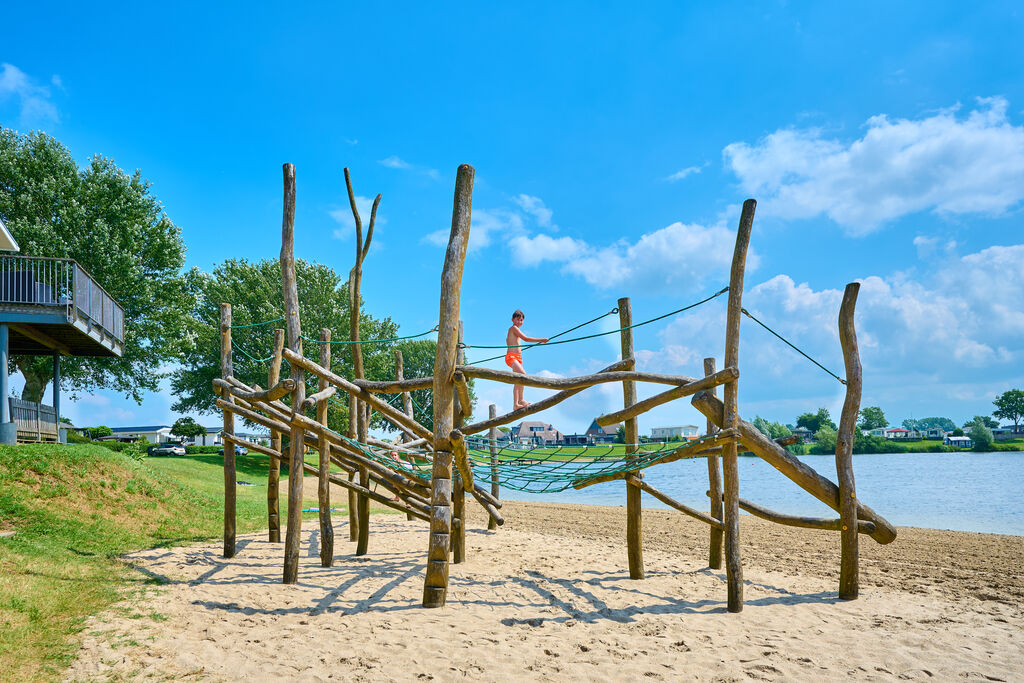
(406, 402)
(634, 525)
(56, 392)
(296, 441)
(274, 475)
(435, 585)
(849, 574)
(363, 502)
(492, 413)
(458, 489)
(323, 490)
(353, 499)
(227, 369)
(730, 468)
(714, 485)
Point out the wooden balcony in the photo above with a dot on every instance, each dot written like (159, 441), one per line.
(55, 306)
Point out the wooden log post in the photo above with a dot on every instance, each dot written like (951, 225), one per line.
(227, 369)
(714, 485)
(274, 474)
(459, 485)
(406, 399)
(296, 444)
(363, 502)
(353, 499)
(634, 525)
(849, 574)
(323, 490)
(492, 434)
(730, 468)
(435, 585)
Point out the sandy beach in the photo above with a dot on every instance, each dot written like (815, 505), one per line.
(548, 597)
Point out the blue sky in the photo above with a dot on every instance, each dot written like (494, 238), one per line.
(613, 147)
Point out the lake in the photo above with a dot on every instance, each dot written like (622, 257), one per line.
(961, 491)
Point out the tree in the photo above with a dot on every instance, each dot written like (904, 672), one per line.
(113, 226)
(620, 434)
(102, 430)
(872, 417)
(815, 421)
(957, 432)
(186, 427)
(925, 423)
(254, 291)
(981, 435)
(418, 357)
(772, 430)
(826, 438)
(1010, 406)
(983, 419)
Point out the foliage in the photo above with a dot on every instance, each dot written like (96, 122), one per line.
(255, 294)
(872, 417)
(983, 419)
(981, 435)
(620, 434)
(943, 423)
(196, 450)
(815, 421)
(111, 224)
(185, 427)
(826, 440)
(101, 430)
(772, 430)
(1010, 406)
(957, 432)
(418, 357)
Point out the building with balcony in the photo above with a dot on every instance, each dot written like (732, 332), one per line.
(49, 307)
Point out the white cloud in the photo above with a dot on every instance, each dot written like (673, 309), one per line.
(666, 259)
(396, 162)
(941, 163)
(34, 100)
(535, 207)
(347, 224)
(688, 171)
(485, 224)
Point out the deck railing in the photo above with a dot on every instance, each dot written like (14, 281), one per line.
(36, 421)
(59, 283)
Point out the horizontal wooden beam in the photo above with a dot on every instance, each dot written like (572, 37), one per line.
(311, 400)
(237, 388)
(537, 407)
(41, 338)
(395, 386)
(581, 382)
(721, 377)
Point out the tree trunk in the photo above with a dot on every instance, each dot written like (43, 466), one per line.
(37, 371)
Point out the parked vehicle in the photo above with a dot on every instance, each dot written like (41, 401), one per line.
(239, 450)
(167, 449)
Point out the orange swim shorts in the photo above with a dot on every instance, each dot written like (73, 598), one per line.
(513, 356)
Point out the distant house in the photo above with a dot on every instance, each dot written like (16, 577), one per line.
(805, 434)
(210, 438)
(685, 432)
(1007, 432)
(536, 433)
(899, 434)
(152, 433)
(598, 434)
(877, 431)
(576, 440)
(933, 433)
(959, 441)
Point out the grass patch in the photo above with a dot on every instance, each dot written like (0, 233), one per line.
(76, 509)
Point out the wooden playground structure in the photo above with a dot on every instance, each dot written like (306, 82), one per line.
(434, 468)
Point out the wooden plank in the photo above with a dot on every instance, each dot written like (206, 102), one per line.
(641, 407)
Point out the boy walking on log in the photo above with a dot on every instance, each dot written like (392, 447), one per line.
(514, 356)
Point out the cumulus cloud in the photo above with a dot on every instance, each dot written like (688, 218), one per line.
(684, 172)
(394, 162)
(33, 100)
(945, 163)
(535, 207)
(661, 260)
(347, 225)
(485, 225)
(400, 164)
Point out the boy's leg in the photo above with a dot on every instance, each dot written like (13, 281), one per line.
(517, 389)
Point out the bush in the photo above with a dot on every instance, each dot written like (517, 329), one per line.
(75, 437)
(132, 450)
(196, 450)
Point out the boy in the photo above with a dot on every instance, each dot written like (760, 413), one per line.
(514, 357)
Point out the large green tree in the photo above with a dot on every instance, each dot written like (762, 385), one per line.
(1010, 406)
(872, 417)
(113, 226)
(815, 421)
(254, 292)
(943, 423)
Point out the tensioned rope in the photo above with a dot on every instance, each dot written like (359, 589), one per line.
(571, 329)
(787, 343)
(371, 341)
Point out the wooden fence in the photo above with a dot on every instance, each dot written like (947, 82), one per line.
(36, 421)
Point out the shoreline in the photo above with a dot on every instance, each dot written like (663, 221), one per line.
(547, 597)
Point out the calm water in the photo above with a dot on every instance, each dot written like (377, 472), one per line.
(962, 491)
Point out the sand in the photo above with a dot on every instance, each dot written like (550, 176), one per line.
(547, 597)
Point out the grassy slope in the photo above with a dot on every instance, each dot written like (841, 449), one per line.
(75, 510)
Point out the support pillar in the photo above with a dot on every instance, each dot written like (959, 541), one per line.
(62, 434)
(8, 430)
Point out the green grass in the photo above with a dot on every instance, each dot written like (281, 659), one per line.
(76, 509)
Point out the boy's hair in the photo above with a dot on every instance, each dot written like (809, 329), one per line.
(518, 314)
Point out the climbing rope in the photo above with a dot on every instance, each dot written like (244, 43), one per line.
(265, 322)
(372, 341)
(787, 343)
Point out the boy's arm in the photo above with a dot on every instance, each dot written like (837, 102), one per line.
(533, 340)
